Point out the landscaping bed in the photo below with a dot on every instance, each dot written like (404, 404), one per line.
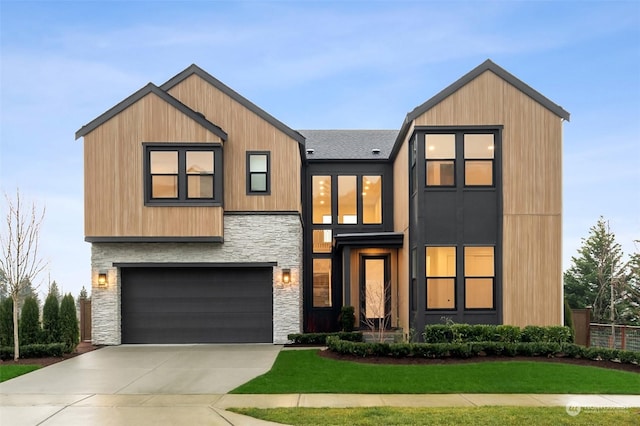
(83, 347)
(490, 358)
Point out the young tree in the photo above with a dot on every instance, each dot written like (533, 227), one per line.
(69, 329)
(30, 330)
(598, 276)
(19, 257)
(51, 319)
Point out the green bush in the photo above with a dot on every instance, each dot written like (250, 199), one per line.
(321, 338)
(437, 333)
(558, 334)
(69, 329)
(51, 319)
(508, 333)
(347, 319)
(469, 350)
(34, 351)
(29, 325)
(532, 333)
(463, 333)
(6, 322)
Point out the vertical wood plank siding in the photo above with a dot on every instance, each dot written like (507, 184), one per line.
(114, 181)
(532, 191)
(401, 219)
(247, 131)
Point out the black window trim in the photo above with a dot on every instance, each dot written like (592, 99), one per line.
(182, 148)
(249, 173)
(493, 278)
(454, 278)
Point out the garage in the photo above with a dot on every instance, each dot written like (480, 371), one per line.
(197, 305)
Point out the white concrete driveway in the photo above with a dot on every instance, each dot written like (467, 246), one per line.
(136, 384)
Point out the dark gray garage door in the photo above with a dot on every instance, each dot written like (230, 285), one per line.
(197, 305)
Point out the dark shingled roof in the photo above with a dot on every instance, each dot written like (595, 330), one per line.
(349, 144)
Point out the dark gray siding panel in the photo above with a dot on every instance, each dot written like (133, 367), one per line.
(481, 217)
(197, 305)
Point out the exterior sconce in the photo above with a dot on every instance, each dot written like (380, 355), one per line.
(286, 276)
(102, 279)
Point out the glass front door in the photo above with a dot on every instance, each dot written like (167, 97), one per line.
(375, 293)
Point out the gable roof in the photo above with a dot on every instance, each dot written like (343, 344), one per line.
(194, 69)
(487, 65)
(349, 144)
(151, 88)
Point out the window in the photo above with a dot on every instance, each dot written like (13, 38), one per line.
(347, 200)
(478, 159)
(321, 194)
(371, 199)
(440, 155)
(479, 277)
(182, 174)
(322, 240)
(321, 283)
(258, 178)
(441, 277)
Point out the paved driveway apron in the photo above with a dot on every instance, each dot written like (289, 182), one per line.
(126, 378)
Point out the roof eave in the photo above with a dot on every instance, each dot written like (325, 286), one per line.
(146, 90)
(194, 69)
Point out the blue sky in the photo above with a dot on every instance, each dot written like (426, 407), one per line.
(315, 65)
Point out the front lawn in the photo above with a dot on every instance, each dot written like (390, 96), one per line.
(303, 371)
(10, 371)
(442, 416)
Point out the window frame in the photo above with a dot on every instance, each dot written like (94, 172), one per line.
(453, 160)
(486, 277)
(182, 199)
(467, 160)
(454, 278)
(249, 173)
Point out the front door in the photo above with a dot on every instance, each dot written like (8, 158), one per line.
(375, 292)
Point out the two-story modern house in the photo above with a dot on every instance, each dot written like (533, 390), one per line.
(212, 221)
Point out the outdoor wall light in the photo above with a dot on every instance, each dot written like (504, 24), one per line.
(102, 279)
(286, 276)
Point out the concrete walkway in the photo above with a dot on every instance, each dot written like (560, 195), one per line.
(139, 409)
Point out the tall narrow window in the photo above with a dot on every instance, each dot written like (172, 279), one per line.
(441, 277)
(321, 194)
(347, 200)
(200, 174)
(322, 239)
(440, 155)
(258, 179)
(478, 159)
(321, 283)
(164, 174)
(371, 199)
(479, 277)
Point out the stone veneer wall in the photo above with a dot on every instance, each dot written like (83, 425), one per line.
(247, 238)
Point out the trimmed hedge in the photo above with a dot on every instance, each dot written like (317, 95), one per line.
(465, 333)
(34, 351)
(478, 349)
(321, 338)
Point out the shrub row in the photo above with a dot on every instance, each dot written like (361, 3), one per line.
(34, 351)
(463, 333)
(476, 349)
(321, 338)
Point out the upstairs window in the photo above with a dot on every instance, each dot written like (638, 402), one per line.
(440, 155)
(371, 199)
(258, 177)
(478, 159)
(182, 174)
(321, 205)
(347, 200)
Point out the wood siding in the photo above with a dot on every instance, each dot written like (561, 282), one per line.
(401, 224)
(532, 191)
(114, 179)
(247, 132)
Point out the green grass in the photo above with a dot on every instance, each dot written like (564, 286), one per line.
(443, 416)
(10, 371)
(303, 371)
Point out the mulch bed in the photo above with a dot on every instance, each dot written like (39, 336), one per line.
(450, 361)
(82, 348)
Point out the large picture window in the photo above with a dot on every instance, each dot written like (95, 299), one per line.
(441, 277)
(371, 199)
(321, 204)
(182, 174)
(440, 155)
(479, 277)
(347, 200)
(258, 175)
